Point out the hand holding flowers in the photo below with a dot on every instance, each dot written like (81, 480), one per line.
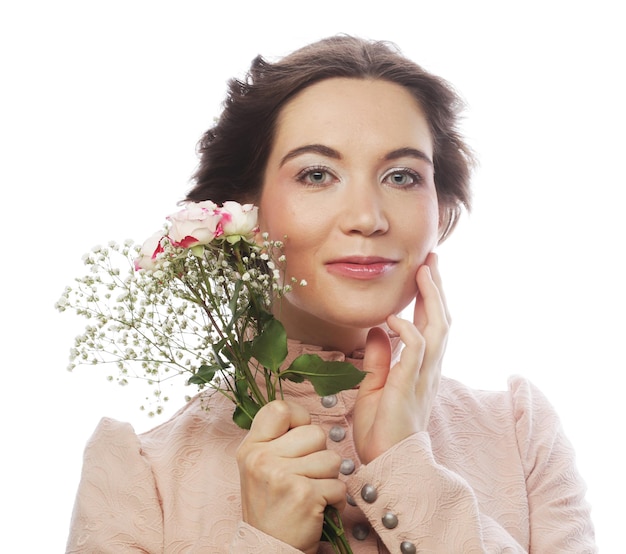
(196, 300)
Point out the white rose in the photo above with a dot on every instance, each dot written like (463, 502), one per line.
(238, 220)
(149, 250)
(194, 225)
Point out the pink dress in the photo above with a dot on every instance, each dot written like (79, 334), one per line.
(494, 473)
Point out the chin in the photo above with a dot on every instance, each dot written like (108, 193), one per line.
(359, 318)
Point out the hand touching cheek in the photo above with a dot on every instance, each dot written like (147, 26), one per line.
(395, 402)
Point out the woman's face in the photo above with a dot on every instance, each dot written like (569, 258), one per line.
(349, 183)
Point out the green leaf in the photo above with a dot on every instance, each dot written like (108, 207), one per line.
(242, 418)
(246, 408)
(197, 250)
(326, 377)
(270, 346)
(204, 375)
(232, 306)
(218, 347)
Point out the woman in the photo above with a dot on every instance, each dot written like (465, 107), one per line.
(351, 152)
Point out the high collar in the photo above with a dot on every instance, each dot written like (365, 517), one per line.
(305, 394)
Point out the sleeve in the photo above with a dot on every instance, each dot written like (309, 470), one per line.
(560, 517)
(441, 514)
(117, 508)
(249, 540)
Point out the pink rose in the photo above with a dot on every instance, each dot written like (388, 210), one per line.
(195, 224)
(238, 221)
(148, 253)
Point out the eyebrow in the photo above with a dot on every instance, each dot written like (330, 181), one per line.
(408, 152)
(314, 148)
(332, 153)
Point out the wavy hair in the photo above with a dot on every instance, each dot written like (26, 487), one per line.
(233, 153)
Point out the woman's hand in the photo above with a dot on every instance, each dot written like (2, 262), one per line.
(395, 403)
(288, 476)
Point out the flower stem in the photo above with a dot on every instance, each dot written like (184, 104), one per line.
(333, 531)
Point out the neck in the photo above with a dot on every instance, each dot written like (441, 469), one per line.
(308, 329)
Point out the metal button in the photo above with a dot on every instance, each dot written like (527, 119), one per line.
(329, 401)
(337, 433)
(369, 493)
(347, 466)
(350, 500)
(390, 521)
(360, 531)
(407, 548)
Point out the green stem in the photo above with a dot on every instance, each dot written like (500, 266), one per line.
(334, 532)
(250, 380)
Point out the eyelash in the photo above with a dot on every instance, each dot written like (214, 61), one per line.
(407, 171)
(303, 175)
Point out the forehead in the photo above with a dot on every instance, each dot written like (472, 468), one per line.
(340, 108)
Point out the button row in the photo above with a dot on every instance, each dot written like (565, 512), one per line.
(337, 433)
(329, 401)
(347, 467)
(360, 531)
(389, 519)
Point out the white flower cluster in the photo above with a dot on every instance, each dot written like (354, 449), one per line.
(158, 323)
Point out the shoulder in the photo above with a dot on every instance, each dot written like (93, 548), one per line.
(540, 435)
(519, 415)
(203, 427)
(528, 400)
(521, 398)
(520, 408)
(457, 398)
(202, 417)
(111, 436)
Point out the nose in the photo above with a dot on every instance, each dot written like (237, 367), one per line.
(364, 210)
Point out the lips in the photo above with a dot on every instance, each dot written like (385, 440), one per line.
(360, 267)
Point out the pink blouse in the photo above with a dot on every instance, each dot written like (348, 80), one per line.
(494, 473)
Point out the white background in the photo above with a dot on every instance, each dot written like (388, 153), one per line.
(101, 107)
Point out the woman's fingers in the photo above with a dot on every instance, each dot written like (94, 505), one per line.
(412, 355)
(333, 491)
(275, 419)
(376, 360)
(287, 475)
(432, 261)
(394, 403)
(430, 305)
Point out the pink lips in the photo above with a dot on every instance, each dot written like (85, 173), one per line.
(357, 267)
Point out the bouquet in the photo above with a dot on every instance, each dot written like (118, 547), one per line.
(195, 300)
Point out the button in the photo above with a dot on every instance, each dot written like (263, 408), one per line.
(329, 401)
(390, 521)
(347, 466)
(369, 493)
(407, 548)
(350, 500)
(337, 433)
(360, 531)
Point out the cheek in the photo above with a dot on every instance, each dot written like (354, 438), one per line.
(293, 219)
(422, 235)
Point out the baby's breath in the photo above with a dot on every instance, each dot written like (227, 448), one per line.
(202, 311)
(161, 323)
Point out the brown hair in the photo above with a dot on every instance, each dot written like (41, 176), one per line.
(234, 153)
